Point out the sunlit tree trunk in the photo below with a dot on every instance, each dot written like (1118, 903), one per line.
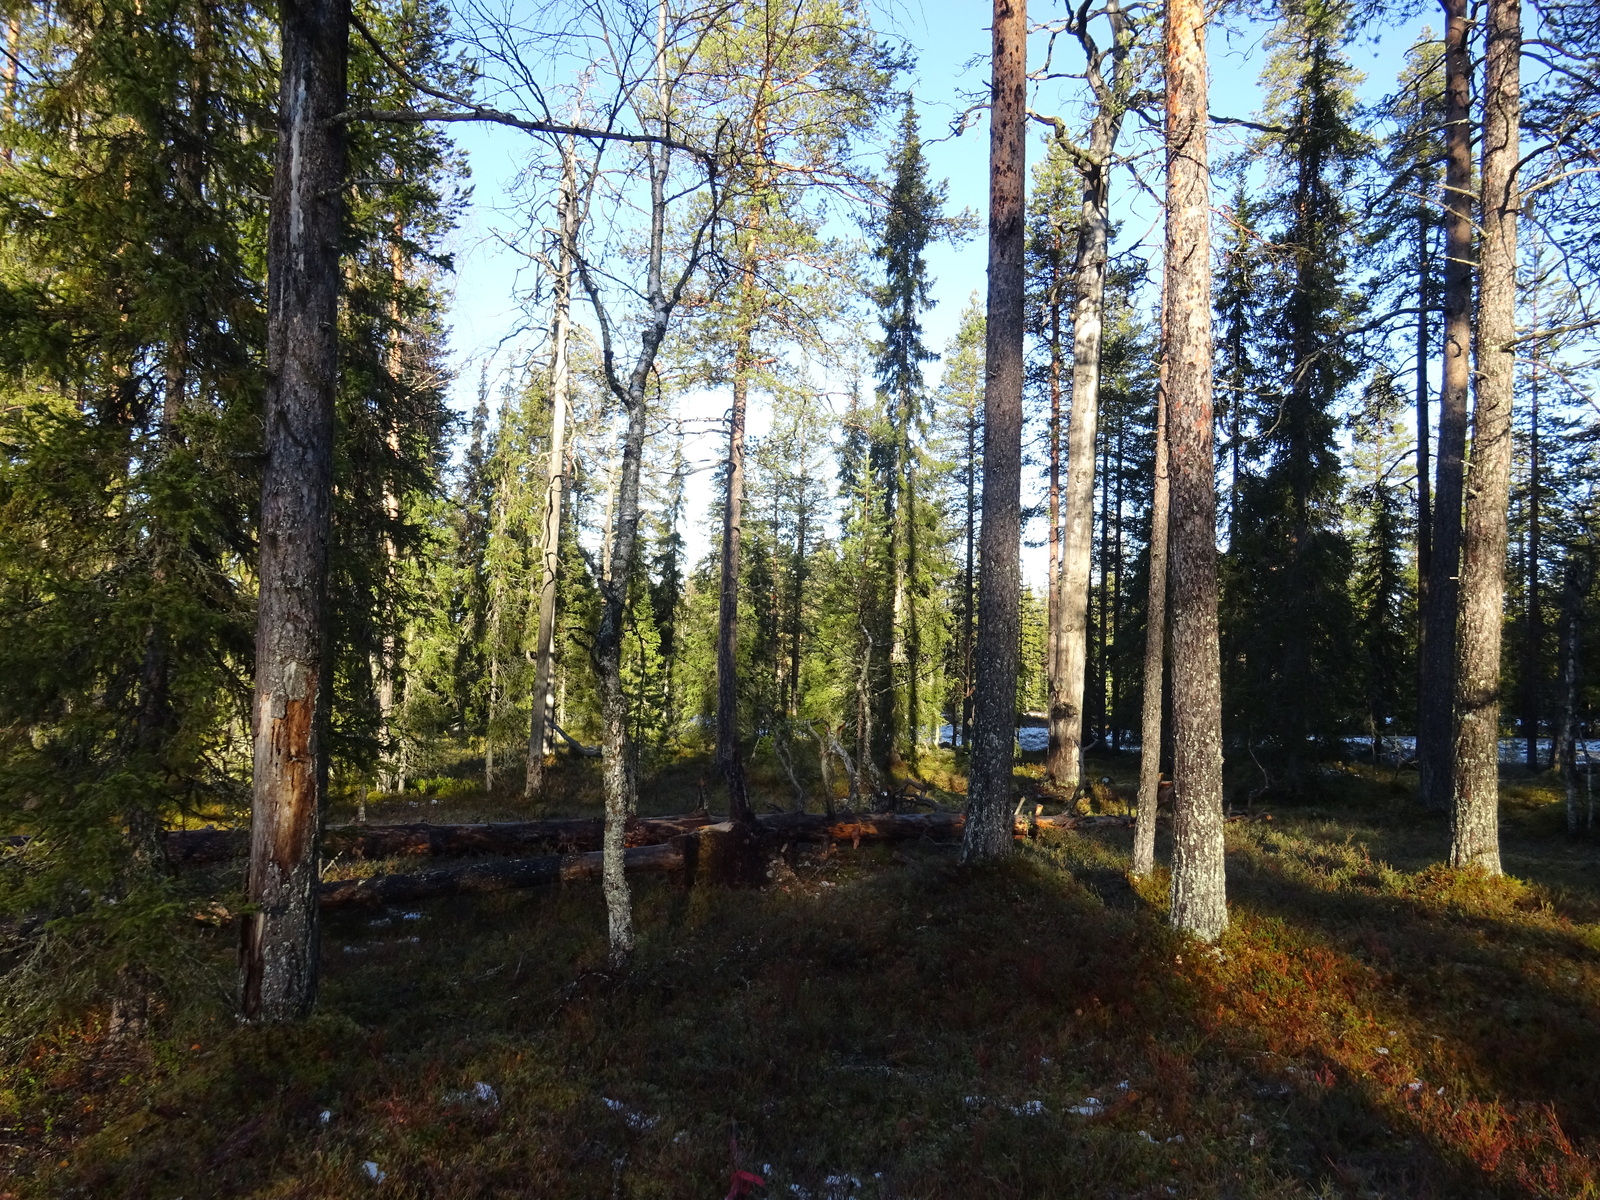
(278, 939)
(1199, 902)
(987, 833)
(1475, 814)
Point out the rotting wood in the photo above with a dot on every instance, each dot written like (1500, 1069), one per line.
(187, 847)
(499, 875)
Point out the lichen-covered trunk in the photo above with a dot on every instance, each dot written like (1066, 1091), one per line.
(1436, 698)
(1199, 900)
(278, 940)
(988, 828)
(1155, 645)
(555, 475)
(1475, 812)
(1072, 643)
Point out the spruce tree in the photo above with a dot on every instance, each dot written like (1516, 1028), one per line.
(913, 220)
(1290, 558)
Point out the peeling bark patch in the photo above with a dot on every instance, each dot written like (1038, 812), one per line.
(294, 815)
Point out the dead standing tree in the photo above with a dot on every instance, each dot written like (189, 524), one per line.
(567, 218)
(1093, 161)
(278, 946)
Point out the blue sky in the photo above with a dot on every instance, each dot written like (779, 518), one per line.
(486, 322)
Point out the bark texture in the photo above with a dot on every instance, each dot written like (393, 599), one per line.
(987, 833)
(1436, 699)
(1155, 639)
(1199, 902)
(550, 529)
(278, 942)
(1475, 813)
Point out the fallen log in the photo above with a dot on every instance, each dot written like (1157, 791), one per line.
(723, 854)
(493, 875)
(567, 835)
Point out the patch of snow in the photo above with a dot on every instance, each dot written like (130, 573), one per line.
(1091, 1107)
(1028, 1108)
(373, 1173)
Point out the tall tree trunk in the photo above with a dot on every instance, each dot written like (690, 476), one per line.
(913, 628)
(1117, 550)
(1102, 623)
(988, 829)
(1573, 590)
(279, 939)
(969, 582)
(1475, 825)
(1423, 418)
(1436, 699)
(1070, 650)
(730, 760)
(555, 473)
(1055, 764)
(1155, 638)
(1077, 550)
(386, 661)
(1533, 648)
(1199, 901)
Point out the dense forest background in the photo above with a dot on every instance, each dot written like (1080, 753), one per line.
(136, 160)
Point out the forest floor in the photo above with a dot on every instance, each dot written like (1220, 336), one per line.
(880, 1023)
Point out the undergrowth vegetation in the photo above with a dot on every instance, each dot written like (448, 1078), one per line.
(880, 1023)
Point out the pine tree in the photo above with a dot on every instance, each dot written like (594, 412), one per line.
(987, 834)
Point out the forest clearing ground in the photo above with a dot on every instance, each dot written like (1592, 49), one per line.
(879, 1023)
